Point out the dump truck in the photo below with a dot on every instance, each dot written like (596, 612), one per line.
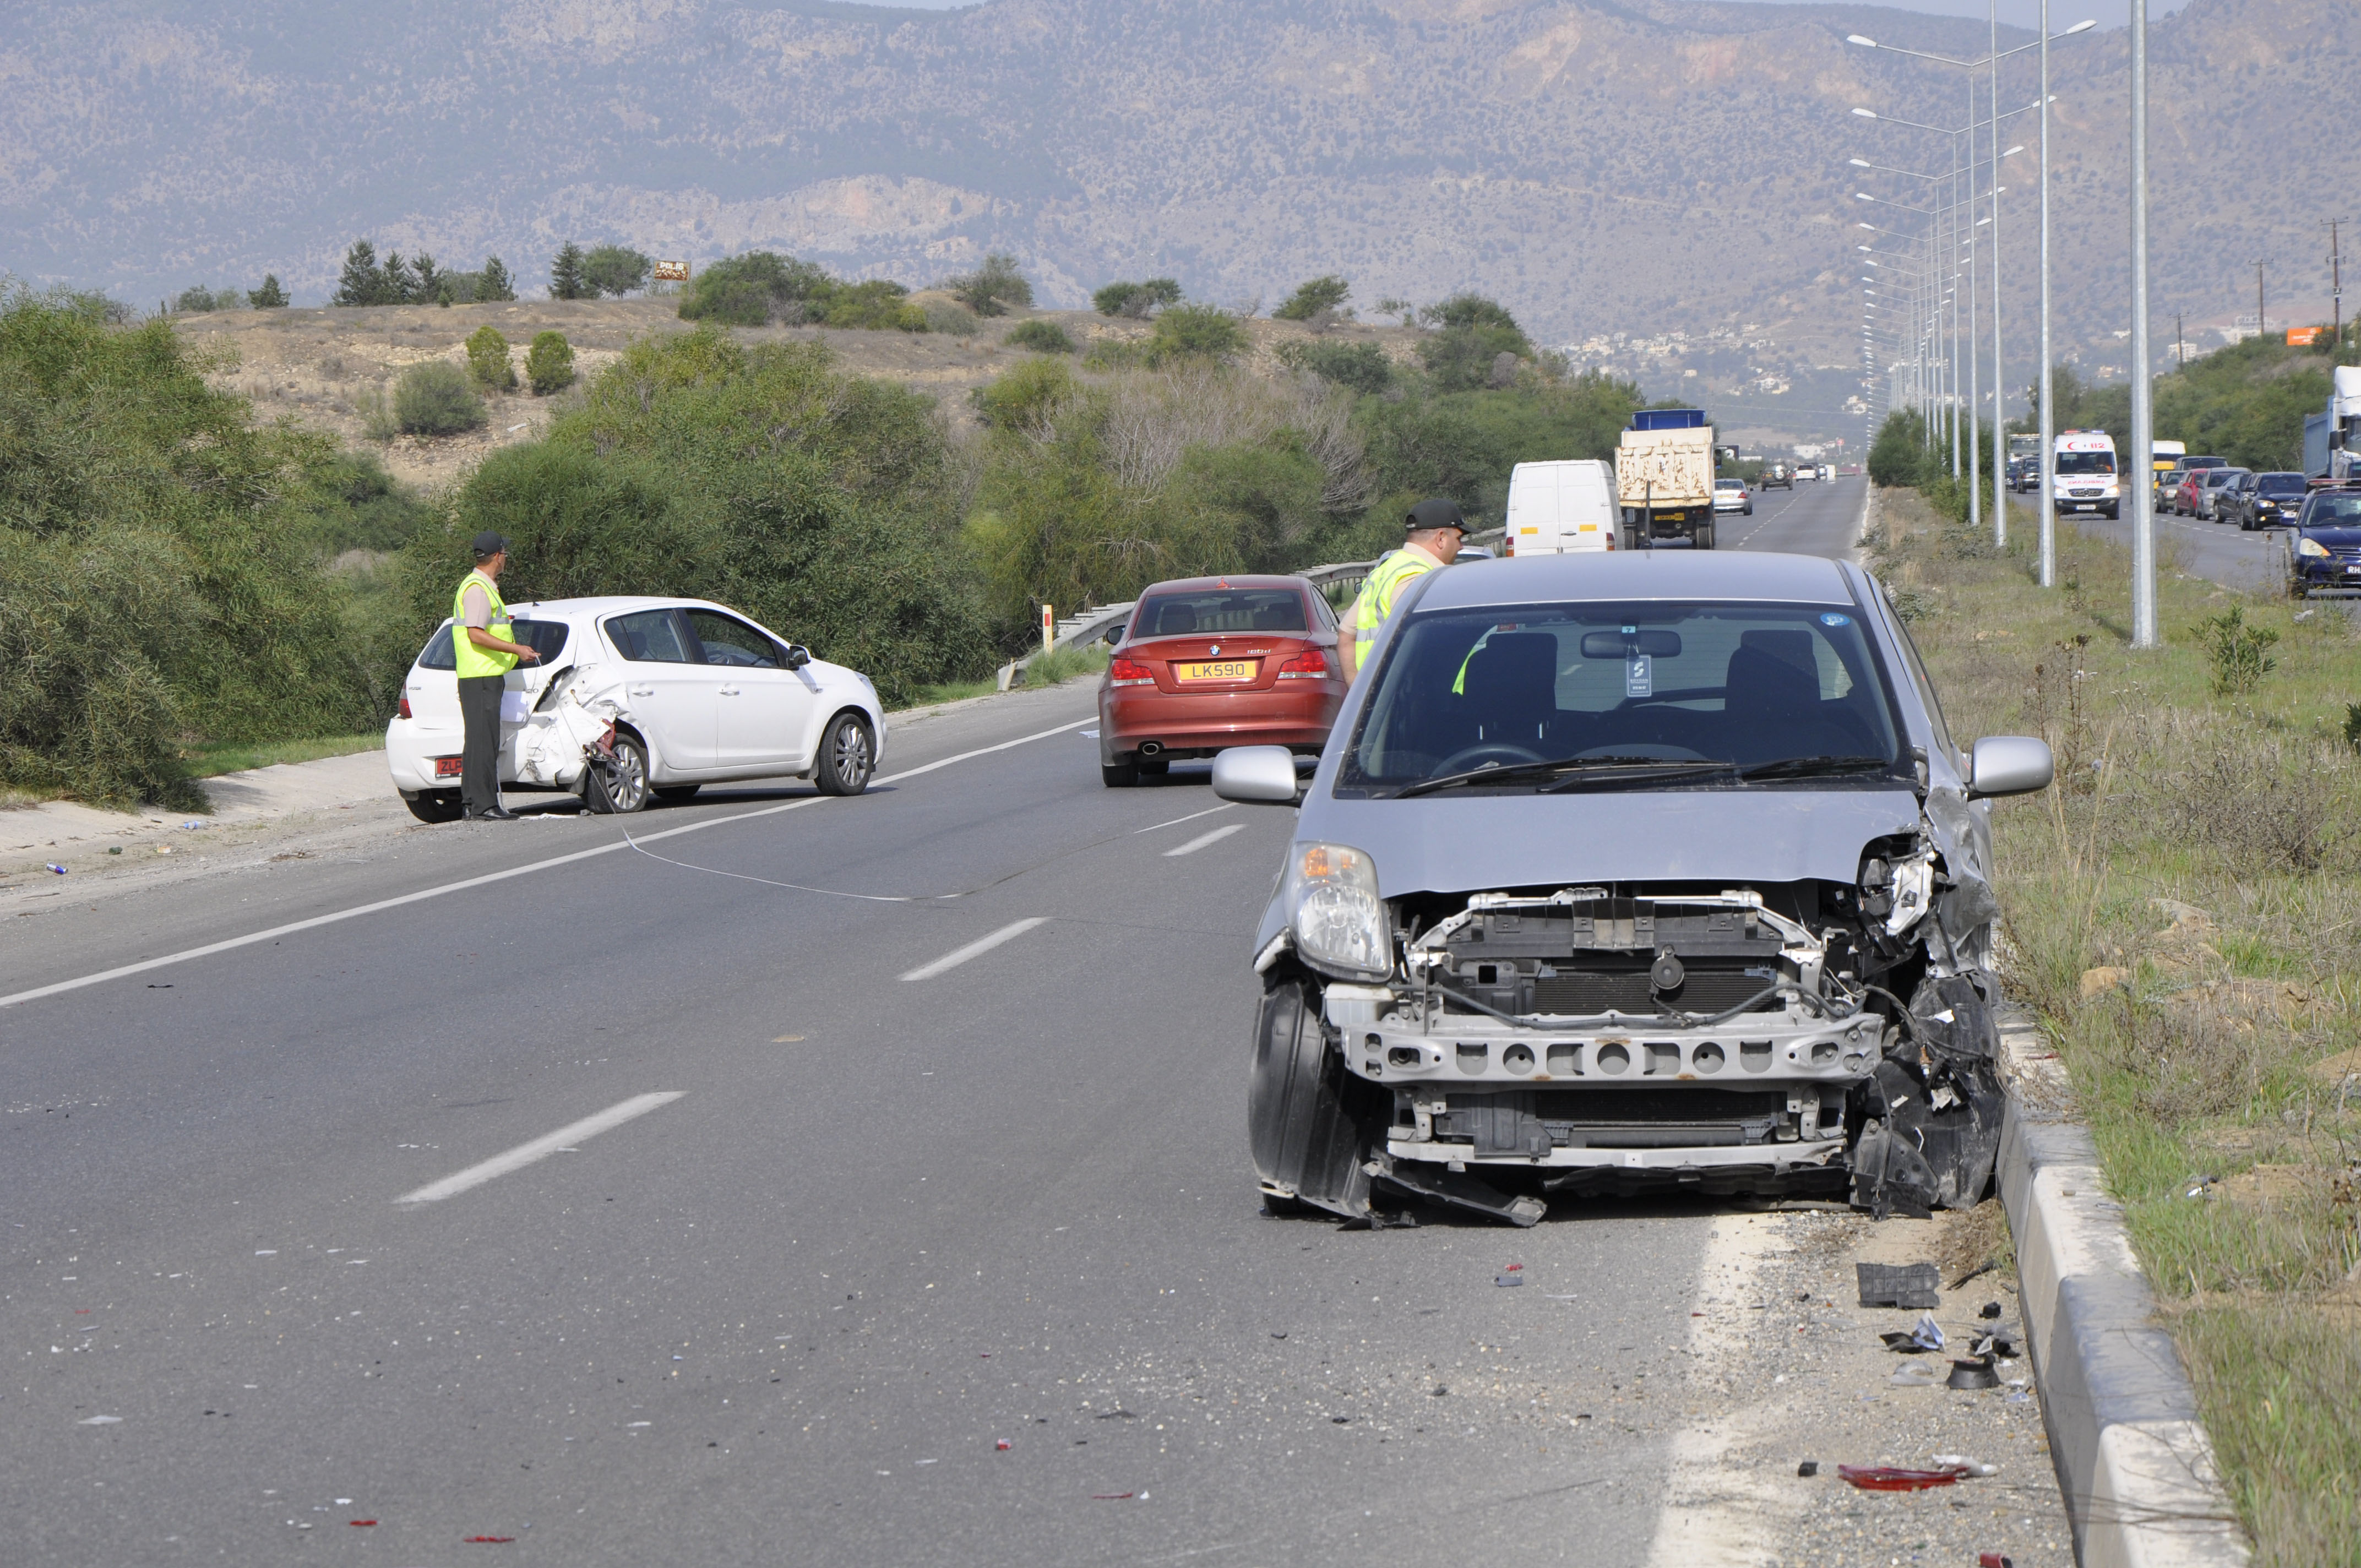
(1664, 478)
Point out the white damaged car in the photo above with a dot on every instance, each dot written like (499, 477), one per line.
(638, 697)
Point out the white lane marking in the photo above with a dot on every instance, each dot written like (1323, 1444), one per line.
(980, 946)
(1202, 839)
(274, 932)
(542, 1148)
(1191, 817)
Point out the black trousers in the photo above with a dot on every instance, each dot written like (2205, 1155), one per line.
(479, 762)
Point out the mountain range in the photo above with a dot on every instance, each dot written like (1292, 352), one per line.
(1663, 184)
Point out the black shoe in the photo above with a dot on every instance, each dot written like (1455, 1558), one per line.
(496, 814)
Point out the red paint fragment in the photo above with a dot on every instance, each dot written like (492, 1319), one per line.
(1110, 1496)
(360, 1524)
(1886, 1478)
(1513, 1267)
(489, 1540)
(1000, 1443)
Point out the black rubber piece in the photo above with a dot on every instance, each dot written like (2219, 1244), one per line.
(1308, 1119)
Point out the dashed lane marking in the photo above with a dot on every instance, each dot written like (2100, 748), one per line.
(976, 949)
(1202, 839)
(567, 1137)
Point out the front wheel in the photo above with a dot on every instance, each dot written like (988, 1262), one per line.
(848, 756)
(2111, 513)
(620, 787)
(433, 804)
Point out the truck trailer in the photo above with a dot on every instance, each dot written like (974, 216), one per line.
(1664, 478)
(2332, 438)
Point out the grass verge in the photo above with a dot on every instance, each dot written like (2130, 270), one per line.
(212, 759)
(2183, 909)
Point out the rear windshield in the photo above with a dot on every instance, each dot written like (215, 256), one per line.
(1220, 609)
(1737, 683)
(2084, 463)
(546, 638)
(2205, 462)
(2220, 477)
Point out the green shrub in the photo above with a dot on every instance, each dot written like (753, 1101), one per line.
(1898, 455)
(492, 284)
(754, 289)
(1027, 396)
(1135, 300)
(877, 304)
(432, 398)
(1195, 331)
(200, 300)
(991, 288)
(270, 296)
(2239, 653)
(1040, 336)
(488, 359)
(1361, 366)
(566, 278)
(835, 524)
(1321, 296)
(549, 363)
(614, 270)
(952, 321)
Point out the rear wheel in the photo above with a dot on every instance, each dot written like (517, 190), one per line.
(621, 787)
(433, 804)
(677, 795)
(847, 756)
(1121, 774)
(1703, 538)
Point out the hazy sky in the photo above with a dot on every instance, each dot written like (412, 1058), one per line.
(2022, 12)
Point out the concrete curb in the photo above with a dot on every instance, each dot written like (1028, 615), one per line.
(2133, 1459)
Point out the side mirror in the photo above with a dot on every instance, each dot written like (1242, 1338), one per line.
(797, 655)
(1261, 774)
(2009, 764)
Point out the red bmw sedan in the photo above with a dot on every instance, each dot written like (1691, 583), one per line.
(1211, 663)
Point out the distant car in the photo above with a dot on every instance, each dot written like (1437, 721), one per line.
(2181, 480)
(2324, 553)
(2216, 481)
(1472, 552)
(1806, 471)
(695, 693)
(1211, 663)
(1731, 494)
(2267, 501)
(1778, 473)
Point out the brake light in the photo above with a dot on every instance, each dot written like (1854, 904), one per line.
(1129, 673)
(1310, 664)
(401, 709)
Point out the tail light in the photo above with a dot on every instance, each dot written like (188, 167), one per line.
(1310, 664)
(401, 709)
(1129, 673)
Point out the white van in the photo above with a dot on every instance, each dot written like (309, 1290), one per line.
(1560, 508)
(2083, 476)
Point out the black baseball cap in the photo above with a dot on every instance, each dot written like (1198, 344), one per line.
(1436, 513)
(488, 544)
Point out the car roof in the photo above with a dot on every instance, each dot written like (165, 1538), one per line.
(1237, 580)
(1639, 575)
(607, 604)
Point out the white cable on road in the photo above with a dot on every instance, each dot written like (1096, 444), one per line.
(1202, 839)
(275, 932)
(976, 949)
(540, 1148)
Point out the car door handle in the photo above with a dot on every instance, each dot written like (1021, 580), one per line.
(730, 691)
(641, 691)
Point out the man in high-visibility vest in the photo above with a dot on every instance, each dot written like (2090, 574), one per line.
(1433, 532)
(480, 642)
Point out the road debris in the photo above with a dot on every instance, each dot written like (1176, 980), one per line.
(1990, 1309)
(1110, 1496)
(1962, 1464)
(1890, 1478)
(1509, 1279)
(1808, 1468)
(100, 1420)
(1993, 1560)
(1916, 1375)
(485, 1539)
(1000, 1445)
(1909, 1285)
(1976, 1373)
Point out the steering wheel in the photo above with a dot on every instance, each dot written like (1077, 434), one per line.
(1488, 751)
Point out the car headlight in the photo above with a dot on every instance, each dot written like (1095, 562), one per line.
(1333, 909)
(2311, 547)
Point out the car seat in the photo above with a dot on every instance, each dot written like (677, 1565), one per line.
(1771, 699)
(1511, 687)
(1176, 620)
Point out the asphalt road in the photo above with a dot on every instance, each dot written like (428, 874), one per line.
(2218, 552)
(933, 1258)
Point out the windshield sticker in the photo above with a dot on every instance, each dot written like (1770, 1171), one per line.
(1832, 619)
(1639, 675)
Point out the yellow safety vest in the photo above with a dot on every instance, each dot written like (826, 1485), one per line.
(1385, 582)
(472, 659)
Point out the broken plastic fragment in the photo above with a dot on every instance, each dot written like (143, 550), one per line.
(1110, 1496)
(1509, 1279)
(1808, 1468)
(1916, 1375)
(487, 1540)
(360, 1524)
(1989, 1310)
(1926, 1333)
(54, 867)
(1993, 1560)
(1977, 1374)
(100, 1420)
(1000, 1445)
(1964, 1465)
(1914, 1285)
(1888, 1478)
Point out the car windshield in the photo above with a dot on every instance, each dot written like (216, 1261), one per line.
(2084, 463)
(1219, 610)
(1729, 484)
(2280, 484)
(2333, 511)
(1567, 697)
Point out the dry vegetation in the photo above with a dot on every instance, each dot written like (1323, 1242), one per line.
(2184, 909)
(323, 366)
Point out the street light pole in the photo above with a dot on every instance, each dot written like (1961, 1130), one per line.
(2141, 457)
(1975, 391)
(2048, 385)
(2000, 382)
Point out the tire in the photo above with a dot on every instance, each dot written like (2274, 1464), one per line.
(433, 804)
(627, 793)
(1120, 775)
(848, 756)
(1155, 767)
(675, 795)
(1702, 538)
(1307, 1118)
(2111, 513)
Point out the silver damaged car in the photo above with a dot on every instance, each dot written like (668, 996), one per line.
(1625, 873)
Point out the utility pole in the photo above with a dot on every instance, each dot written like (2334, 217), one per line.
(2142, 459)
(2048, 418)
(2262, 325)
(2179, 349)
(2336, 291)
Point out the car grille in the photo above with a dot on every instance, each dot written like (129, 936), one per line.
(1612, 1118)
(2082, 493)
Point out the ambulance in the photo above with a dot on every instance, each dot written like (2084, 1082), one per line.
(2082, 474)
